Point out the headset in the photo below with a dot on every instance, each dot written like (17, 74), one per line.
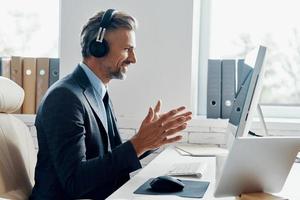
(99, 47)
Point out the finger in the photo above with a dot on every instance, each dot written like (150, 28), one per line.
(186, 114)
(172, 140)
(175, 122)
(178, 110)
(170, 114)
(181, 108)
(149, 116)
(189, 113)
(157, 106)
(175, 130)
(156, 117)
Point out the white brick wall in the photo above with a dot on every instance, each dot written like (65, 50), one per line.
(199, 130)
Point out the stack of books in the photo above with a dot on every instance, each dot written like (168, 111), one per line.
(34, 75)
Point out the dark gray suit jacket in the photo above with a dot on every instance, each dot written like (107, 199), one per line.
(73, 157)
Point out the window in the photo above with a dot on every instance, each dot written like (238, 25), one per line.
(235, 27)
(29, 28)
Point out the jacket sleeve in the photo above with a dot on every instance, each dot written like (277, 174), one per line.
(62, 116)
(147, 153)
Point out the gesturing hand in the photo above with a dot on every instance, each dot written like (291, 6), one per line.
(159, 129)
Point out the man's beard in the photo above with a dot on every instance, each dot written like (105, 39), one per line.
(118, 74)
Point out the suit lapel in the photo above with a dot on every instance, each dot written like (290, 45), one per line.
(88, 93)
(90, 97)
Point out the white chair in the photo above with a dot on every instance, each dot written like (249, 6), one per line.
(17, 153)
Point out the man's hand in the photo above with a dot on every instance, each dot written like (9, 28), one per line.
(159, 129)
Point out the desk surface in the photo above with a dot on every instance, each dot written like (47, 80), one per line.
(163, 162)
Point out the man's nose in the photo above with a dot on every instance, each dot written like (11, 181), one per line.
(132, 57)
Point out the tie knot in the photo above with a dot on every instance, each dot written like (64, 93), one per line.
(105, 99)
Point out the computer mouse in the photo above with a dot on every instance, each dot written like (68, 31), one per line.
(166, 184)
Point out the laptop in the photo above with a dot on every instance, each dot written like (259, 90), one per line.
(256, 164)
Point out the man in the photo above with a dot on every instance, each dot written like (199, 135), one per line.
(80, 150)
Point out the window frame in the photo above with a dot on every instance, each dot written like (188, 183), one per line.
(269, 110)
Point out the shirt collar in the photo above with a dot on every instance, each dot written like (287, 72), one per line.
(96, 82)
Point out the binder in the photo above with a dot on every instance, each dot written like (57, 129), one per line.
(16, 70)
(29, 82)
(243, 71)
(16, 73)
(214, 89)
(240, 66)
(53, 70)
(228, 87)
(42, 79)
(239, 101)
(5, 64)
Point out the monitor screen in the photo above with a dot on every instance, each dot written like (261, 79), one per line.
(247, 96)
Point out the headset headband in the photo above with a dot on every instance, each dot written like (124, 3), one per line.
(108, 15)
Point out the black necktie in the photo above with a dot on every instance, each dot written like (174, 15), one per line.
(110, 129)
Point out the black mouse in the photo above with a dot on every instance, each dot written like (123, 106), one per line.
(166, 184)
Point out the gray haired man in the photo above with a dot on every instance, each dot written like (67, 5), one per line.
(80, 151)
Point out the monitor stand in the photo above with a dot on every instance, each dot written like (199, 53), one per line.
(232, 129)
(262, 120)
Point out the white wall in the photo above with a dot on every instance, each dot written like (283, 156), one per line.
(164, 52)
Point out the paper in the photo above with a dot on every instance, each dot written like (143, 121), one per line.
(201, 150)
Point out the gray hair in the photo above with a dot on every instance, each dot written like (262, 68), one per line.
(90, 29)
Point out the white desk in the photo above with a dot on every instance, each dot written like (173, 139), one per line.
(160, 165)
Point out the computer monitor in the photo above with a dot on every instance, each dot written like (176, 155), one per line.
(247, 96)
(256, 164)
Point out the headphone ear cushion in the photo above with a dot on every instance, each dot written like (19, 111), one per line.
(98, 49)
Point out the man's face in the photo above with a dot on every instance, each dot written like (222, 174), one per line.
(121, 53)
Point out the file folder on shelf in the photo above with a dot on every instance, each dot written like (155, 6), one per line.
(239, 100)
(214, 89)
(16, 73)
(42, 79)
(5, 65)
(243, 71)
(53, 70)
(228, 87)
(16, 70)
(29, 82)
